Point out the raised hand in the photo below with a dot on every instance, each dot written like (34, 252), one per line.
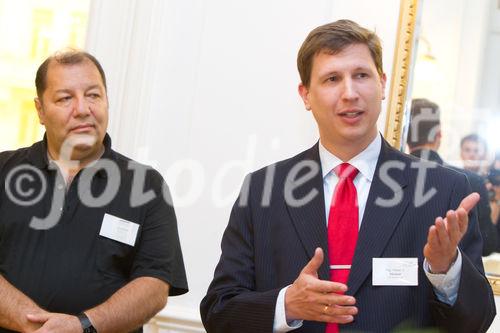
(444, 236)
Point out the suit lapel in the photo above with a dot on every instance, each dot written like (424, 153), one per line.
(378, 222)
(309, 219)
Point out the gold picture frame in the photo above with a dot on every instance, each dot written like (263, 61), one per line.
(401, 72)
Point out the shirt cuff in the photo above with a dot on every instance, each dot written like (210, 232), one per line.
(280, 324)
(446, 285)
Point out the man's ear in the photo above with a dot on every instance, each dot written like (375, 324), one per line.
(304, 93)
(383, 81)
(39, 110)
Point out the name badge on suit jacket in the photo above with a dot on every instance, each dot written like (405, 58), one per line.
(118, 229)
(395, 272)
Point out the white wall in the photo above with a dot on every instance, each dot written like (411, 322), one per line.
(214, 82)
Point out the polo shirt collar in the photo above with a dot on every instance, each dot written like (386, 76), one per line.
(38, 154)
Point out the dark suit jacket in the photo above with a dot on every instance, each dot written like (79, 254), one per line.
(270, 238)
(487, 228)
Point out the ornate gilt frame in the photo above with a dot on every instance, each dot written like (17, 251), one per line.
(401, 72)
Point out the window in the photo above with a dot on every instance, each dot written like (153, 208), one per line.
(31, 30)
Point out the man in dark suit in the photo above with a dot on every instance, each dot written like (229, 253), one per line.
(424, 140)
(351, 234)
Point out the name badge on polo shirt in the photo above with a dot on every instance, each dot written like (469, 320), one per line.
(395, 272)
(118, 229)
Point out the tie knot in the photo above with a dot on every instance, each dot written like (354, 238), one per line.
(345, 170)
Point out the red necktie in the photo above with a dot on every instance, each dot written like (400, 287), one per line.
(343, 222)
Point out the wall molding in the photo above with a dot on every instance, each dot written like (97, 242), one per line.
(176, 319)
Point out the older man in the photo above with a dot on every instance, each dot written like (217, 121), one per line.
(88, 238)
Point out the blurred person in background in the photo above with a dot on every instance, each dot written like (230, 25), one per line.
(473, 152)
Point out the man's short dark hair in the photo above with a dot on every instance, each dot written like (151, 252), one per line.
(332, 38)
(66, 57)
(424, 122)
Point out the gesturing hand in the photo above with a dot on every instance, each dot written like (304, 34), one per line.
(444, 236)
(56, 323)
(310, 298)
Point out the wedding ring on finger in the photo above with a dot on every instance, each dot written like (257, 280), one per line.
(325, 309)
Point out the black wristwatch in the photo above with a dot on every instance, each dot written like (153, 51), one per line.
(86, 323)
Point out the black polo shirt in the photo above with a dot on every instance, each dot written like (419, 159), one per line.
(69, 267)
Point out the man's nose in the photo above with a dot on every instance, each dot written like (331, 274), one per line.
(81, 107)
(350, 91)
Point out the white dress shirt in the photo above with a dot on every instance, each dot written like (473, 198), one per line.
(445, 285)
